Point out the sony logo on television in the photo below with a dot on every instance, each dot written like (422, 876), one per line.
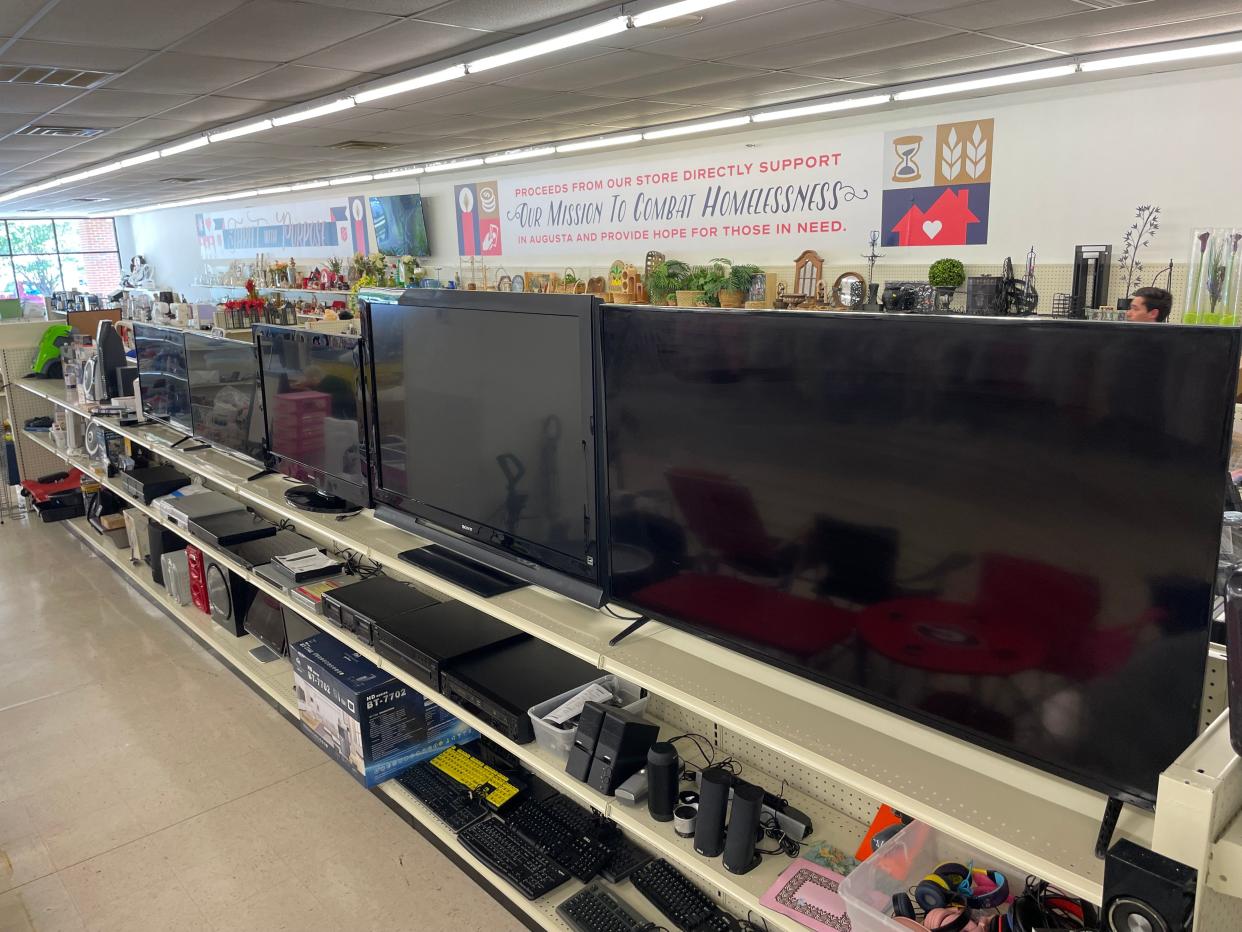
(468, 528)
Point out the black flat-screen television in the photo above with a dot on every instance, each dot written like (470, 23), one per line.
(484, 406)
(224, 394)
(311, 386)
(1006, 529)
(163, 375)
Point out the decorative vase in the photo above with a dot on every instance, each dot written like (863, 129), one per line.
(732, 298)
(689, 298)
(1212, 280)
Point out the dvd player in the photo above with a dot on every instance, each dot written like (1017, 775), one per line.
(182, 509)
(501, 686)
(234, 527)
(150, 482)
(359, 607)
(423, 641)
(254, 553)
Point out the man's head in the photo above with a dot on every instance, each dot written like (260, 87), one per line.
(1150, 305)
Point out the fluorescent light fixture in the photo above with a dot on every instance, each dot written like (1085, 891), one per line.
(411, 84)
(139, 159)
(673, 10)
(307, 185)
(998, 80)
(397, 173)
(279, 189)
(350, 179)
(600, 143)
(518, 154)
(256, 127)
(1154, 58)
(696, 128)
(831, 106)
(609, 27)
(184, 146)
(336, 106)
(91, 173)
(235, 196)
(449, 166)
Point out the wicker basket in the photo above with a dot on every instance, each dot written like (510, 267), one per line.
(732, 298)
(689, 298)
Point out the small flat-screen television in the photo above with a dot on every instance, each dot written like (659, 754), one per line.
(1006, 529)
(311, 385)
(399, 224)
(484, 407)
(163, 375)
(224, 394)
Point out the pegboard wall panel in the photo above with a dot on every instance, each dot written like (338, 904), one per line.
(32, 459)
(1215, 689)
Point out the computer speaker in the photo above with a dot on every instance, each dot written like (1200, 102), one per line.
(740, 855)
(713, 802)
(662, 766)
(590, 720)
(1146, 892)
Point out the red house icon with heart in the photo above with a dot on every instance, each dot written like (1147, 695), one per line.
(943, 224)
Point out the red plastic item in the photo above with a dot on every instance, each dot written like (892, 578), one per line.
(42, 491)
(198, 579)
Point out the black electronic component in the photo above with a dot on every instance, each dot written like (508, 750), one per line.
(685, 905)
(234, 527)
(452, 803)
(1145, 890)
(358, 607)
(626, 858)
(263, 550)
(662, 768)
(740, 856)
(422, 641)
(590, 720)
(266, 621)
(577, 840)
(1092, 269)
(596, 909)
(110, 359)
(160, 541)
(512, 857)
(1233, 641)
(150, 482)
(986, 296)
(229, 594)
(621, 749)
(713, 803)
(163, 375)
(501, 686)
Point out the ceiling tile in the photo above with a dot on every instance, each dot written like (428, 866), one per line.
(107, 102)
(298, 82)
(282, 30)
(26, 52)
(1005, 59)
(618, 112)
(144, 24)
(14, 14)
(10, 122)
(992, 13)
(607, 68)
(1193, 29)
(1099, 22)
(914, 7)
(947, 49)
(730, 12)
(31, 98)
(153, 128)
(795, 55)
(182, 73)
(514, 15)
(391, 7)
(545, 106)
(665, 84)
(216, 109)
(404, 44)
(758, 92)
(488, 98)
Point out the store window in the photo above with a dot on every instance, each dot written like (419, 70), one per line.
(38, 257)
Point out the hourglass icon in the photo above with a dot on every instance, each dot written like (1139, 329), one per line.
(907, 147)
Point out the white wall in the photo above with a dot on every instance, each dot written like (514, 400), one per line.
(1071, 164)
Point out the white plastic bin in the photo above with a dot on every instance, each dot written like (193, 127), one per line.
(899, 865)
(559, 741)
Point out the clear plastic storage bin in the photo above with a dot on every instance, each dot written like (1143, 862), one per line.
(559, 741)
(899, 865)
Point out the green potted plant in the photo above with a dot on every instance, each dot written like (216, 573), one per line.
(665, 279)
(946, 276)
(702, 286)
(738, 286)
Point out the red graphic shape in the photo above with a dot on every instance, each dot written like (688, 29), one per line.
(943, 224)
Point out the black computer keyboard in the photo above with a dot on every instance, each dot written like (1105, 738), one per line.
(569, 834)
(513, 857)
(626, 858)
(685, 905)
(595, 909)
(444, 796)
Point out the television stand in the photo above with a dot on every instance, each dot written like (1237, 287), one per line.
(470, 574)
(309, 498)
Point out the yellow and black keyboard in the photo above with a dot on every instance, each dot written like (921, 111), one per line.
(486, 783)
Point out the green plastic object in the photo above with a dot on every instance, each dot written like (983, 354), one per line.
(46, 363)
(10, 308)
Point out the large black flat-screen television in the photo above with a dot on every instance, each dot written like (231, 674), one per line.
(163, 375)
(484, 407)
(311, 384)
(224, 394)
(1006, 529)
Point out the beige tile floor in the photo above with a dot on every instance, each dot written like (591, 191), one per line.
(144, 786)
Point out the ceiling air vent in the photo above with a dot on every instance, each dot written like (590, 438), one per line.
(73, 132)
(182, 180)
(52, 77)
(89, 200)
(361, 145)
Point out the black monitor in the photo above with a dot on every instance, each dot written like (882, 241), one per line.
(163, 375)
(224, 394)
(312, 403)
(1004, 528)
(484, 410)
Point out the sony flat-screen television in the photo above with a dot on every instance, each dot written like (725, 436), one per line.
(484, 406)
(1006, 529)
(399, 224)
(163, 375)
(224, 394)
(311, 384)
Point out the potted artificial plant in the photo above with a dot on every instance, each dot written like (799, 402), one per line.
(946, 276)
(665, 279)
(738, 285)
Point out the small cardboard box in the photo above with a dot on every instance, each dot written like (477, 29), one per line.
(366, 718)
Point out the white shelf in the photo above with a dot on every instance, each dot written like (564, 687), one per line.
(343, 295)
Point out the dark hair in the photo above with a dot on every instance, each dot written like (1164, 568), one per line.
(1158, 300)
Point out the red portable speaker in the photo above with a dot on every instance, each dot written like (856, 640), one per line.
(198, 579)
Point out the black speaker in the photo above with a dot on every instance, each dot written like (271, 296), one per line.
(229, 594)
(713, 801)
(621, 749)
(1233, 654)
(159, 542)
(1146, 892)
(590, 719)
(740, 855)
(662, 767)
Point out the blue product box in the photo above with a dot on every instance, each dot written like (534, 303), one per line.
(365, 717)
